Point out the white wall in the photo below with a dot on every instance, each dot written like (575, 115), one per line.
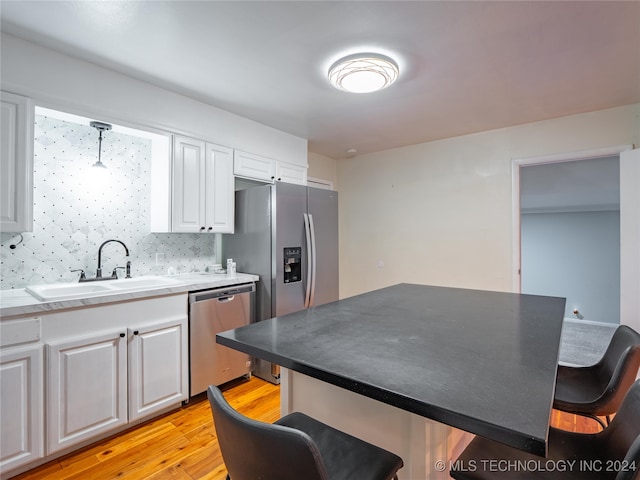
(574, 255)
(65, 83)
(324, 168)
(440, 212)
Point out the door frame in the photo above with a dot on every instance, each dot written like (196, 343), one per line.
(516, 165)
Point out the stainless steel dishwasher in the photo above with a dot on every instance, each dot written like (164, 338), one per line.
(211, 312)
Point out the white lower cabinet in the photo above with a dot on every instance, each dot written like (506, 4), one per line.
(21, 406)
(157, 357)
(87, 388)
(99, 382)
(108, 366)
(77, 375)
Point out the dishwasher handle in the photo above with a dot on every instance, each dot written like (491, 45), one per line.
(219, 293)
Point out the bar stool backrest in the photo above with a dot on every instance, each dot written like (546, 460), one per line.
(256, 450)
(619, 365)
(622, 437)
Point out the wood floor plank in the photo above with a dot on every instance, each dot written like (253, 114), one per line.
(83, 464)
(180, 445)
(201, 463)
(574, 423)
(48, 470)
(143, 436)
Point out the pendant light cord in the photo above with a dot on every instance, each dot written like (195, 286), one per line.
(100, 148)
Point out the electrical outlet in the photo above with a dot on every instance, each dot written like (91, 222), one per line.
(160, 259)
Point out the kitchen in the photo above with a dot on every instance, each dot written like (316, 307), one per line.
(459, 187)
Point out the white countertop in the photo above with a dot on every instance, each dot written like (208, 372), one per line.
(18, 302)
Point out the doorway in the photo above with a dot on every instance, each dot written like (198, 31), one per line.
(567, 231)
(570, 235)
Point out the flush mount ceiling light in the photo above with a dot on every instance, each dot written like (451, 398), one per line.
(363, 73)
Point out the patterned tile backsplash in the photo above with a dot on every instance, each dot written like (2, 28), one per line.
(72, 215)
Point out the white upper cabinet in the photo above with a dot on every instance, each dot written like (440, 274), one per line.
(256, 167)
(202, 187)
(219, 203)
(16, 163)
(290, 173)
(188, 183)
(253, 166)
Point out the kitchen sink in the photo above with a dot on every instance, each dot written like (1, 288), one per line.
(63, 291)
(68, 291)
(142, 283)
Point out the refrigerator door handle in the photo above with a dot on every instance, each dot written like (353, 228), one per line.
(307, 234)
(313, 261)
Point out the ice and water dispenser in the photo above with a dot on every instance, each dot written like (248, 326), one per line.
(292, 264)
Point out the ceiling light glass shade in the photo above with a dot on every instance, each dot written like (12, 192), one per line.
(363, 73)
(97, 175)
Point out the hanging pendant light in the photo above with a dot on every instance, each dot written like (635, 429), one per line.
(101, 127)
(363, 73)
(99, 173)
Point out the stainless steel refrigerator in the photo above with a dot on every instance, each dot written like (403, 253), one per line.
(288, 235)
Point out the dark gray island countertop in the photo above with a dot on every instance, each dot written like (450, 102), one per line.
(481, 361)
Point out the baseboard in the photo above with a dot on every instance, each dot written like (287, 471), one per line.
(591, 322)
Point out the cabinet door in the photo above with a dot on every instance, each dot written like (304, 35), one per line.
(290, 173)
(21, 408)
(86, 388)
(219, 189)
(188, 185)
(253, 166)
(158, 367)
(16, 163)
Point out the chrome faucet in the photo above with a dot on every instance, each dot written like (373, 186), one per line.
(114, 274)
(99, 270)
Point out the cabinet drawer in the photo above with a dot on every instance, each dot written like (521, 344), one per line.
(17, 332)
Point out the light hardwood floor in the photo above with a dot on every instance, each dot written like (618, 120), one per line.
(575, 423)
(180, 445)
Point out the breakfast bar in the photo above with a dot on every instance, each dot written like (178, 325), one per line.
(414, 367)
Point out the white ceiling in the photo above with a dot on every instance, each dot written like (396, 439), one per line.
(465, 66)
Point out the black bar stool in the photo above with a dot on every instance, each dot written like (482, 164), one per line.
(598, 390)
(613, 454)
(296, 447)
